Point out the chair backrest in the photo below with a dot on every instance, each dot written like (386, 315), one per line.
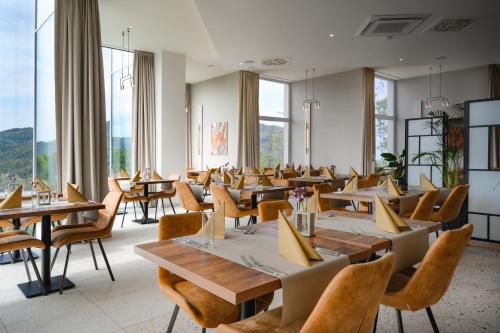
(220, 194)
(174, 176)
(370, 181)
(113, 185)
(451, 207)
(268, 210)
(433, 276)
(324, 204)
(187, 198)
(108, 213)
(425, 206)
(351, 300)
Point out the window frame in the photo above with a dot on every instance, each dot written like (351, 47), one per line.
(392, 117)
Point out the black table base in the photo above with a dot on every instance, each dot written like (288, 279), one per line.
(248, 309)
(33, 289)
(6, 259)
(145, 221)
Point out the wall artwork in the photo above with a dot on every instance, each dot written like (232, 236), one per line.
(218, 138)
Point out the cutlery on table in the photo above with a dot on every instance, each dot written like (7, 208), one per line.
(326, 251)
(274, 270)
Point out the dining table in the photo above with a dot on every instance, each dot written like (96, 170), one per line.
(240, 284)
(338, 182)
(146, 219)
(254, 191)
(51, 283)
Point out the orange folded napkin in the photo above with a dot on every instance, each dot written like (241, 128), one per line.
(240, 185)
(13, 200)
(227, 179)
(393, 188)
(292, 245)
(156, 176)
(386, 219)
(255, 171)
(136, 177)
(352, 185)
(313, 203)
(124, 173)
(426, 184)
(217, 221)
(353, 172)
(329, 174)
(74, 195)
(265, 181)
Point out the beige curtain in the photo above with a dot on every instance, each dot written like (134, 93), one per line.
(494, 78)
(368, 149)
(143, 114)
(189, 158)
(80, 102)
(249, 140)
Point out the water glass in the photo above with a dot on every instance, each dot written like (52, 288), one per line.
(207, 230)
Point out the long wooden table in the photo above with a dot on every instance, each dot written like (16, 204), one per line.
(239, 284)
(52, 284)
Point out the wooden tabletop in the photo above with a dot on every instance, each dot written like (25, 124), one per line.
(266, 189)
(60, 207)
(317, 179)
(154, 181)
(367, 195)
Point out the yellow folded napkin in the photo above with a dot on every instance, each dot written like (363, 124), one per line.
(13, 200)
(353, 172)
(307, 173)
(156, 176)
(227, 178)
(266, 181)
(386, 219)
(255, 171)
(352, 185)
(124, 173)
(213, 170)
(208, 178)
(136, 177)
(74, 195)
(426, 184)
(41, 186)
(240, 185)
(218, 219)
(292, 245)
(393, 188)
(240, 172)
(329, 173)
(384, 183)
(313, 203)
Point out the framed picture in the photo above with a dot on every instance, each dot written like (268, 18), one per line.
(218, 138)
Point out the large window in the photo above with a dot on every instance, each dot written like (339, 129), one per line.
(17, 22)
(118, 109)
(384, 117)
(274, 122)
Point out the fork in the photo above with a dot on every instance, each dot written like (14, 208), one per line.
(265, 267)
(251, 264)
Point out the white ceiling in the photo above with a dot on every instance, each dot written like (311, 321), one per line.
(224, 33)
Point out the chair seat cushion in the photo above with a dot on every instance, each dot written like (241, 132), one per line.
(16, 240)
(73, 226)
(6, 224)
(63, 236)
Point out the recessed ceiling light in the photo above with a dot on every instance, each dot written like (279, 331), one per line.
(241, 63)
(401, 59)
(332, 35)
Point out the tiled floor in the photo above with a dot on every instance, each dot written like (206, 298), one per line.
(134, 304)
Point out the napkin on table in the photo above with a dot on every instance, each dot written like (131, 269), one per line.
(74, 195)
(352, 185)
(386, 219)
(13, 200)
(426, 184)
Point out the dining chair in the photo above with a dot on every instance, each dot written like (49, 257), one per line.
(206, 309)
(329, 204)
(126, 198)
(348, 304)
(370, 181)
(20, 240)
(168, 192)
(188, 200)
(221, 195)
(425, 207)
(268, 210)
(5, 224)
(417, 289)
(66, 235)
(450, 209)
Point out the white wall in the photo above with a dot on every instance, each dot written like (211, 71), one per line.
(336, 129)
(458, 86)
(219, 100)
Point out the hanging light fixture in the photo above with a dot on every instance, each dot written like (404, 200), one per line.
(444, 101)
(311, 104)
(129, 77)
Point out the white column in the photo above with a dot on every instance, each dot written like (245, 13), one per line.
(170, 112)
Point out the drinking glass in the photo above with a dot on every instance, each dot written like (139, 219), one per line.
(34, 199)
(208, 230)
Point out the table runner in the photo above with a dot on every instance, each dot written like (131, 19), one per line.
(302, 286)
(410, 246)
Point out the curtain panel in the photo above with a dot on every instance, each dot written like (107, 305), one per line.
(189, 157)
(368, 149)
(143, 113)
(249, 139)
(80, 102)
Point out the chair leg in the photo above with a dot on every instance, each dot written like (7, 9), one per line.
(156, 208)
(432, 320)
(37, 273)
(93, 255)
(203, 330)
(236, 222)
(105, 259)
(26, 265)
(124, 212)
(54, 259)
(375, 323)
(33, 232)
(135, 212)
(172, 319)
(163, 205)
(400, 321)
(65, 269)
(437, 234)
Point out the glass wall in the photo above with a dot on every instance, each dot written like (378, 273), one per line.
(17, 22)
(384, 117)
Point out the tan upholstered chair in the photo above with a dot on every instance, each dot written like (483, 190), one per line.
(268, 210)
(221, 195)
(205, 308)
(20, 240)
(450, 209)
(126, 198)
(421, 288)
(166, 193)
(425, 207)
(65, 235)
(5, 224)
(328, 204)
(348, 304)
(370, 181)
(188, 200)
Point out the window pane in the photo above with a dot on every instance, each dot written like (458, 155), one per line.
(384, 137)
(384, 97)
(272, 99)
(272, 143)
(43, 10)
(17, 21)
(45, 104)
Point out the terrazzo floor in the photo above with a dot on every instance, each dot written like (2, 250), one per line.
(133, 302)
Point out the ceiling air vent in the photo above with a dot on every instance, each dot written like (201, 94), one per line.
(391, 25)
(450, 24)
(275, 61)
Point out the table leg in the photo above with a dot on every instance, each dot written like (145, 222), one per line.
(248, 309)
(254, 205)
(52, 284)
(370, 207)
(145, 206)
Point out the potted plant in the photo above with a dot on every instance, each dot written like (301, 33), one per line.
(395, 165)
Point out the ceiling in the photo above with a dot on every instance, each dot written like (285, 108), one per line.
(225, 33)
